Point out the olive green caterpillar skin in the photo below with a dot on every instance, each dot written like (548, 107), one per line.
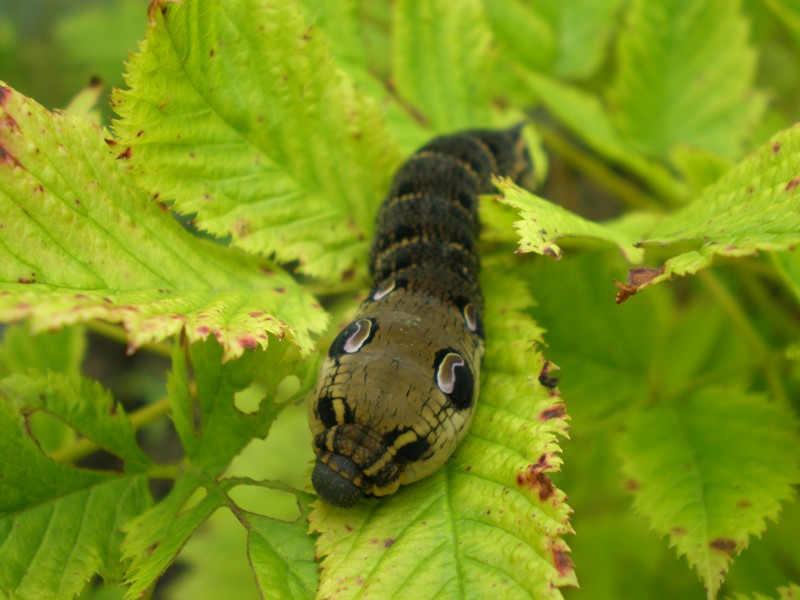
(397, 390)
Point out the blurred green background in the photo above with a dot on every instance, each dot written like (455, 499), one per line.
(51, 49)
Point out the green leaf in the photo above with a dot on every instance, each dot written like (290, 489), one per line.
(211, 427)
(752, 208)
(787, 11)
(582, 31)
(282, 557)
(253, 127)
(685, 74)
(586, 118)
(212, 430)
(445, 81)
(80, 242)
(59, 526)
(543, 223)
(710, 471)
(490, 521)
(155, 538)
(60, 351)
(213, 564)
(522, 32)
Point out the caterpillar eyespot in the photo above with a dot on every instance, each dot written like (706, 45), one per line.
(397, 391)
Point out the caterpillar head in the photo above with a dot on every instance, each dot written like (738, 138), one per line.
(392, 400)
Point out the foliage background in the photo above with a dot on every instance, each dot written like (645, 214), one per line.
(737, 324)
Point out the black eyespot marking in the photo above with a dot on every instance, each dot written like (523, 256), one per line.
(454, 378)
(353, 337)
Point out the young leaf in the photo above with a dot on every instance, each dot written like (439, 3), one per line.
(59, 526)
(544, 222)
(253, 127)
(710, 470)
(685, 74)
(490, 521)
(80, 242)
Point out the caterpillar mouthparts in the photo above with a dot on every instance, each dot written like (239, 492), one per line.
(397, 390)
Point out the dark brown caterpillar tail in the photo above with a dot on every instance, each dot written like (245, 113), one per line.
(397, 391)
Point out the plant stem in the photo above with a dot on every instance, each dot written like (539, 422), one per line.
(763, 354)
(84, 446)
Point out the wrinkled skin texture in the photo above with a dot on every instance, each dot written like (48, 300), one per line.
(397, 390)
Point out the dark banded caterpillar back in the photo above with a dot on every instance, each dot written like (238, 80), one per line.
(397, 390)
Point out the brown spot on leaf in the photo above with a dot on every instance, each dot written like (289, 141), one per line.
(5, 94)
(637, 279)
(348, 527)
(140, 133)
(776, 147)
(110, 143)
(793, 183)
(534, 478)
(256, 313)
(211, 53)
(241, 228)
(279, 290)
(125, 154)
(554, 412)
(202, 330)
(678, 531)
(388, 543)
(631, 485)
(562, 561)
(348, 274)
(725, 545)
(7, 158)
(247, 342)
(744, 504)
(26, 280)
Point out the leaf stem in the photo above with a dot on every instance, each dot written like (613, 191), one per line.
(84, 447)
(595, 169)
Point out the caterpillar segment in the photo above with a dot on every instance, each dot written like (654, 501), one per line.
(396, 392)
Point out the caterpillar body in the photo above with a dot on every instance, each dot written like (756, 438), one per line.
(397, 389)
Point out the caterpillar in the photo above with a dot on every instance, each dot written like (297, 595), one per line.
(396, 392)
